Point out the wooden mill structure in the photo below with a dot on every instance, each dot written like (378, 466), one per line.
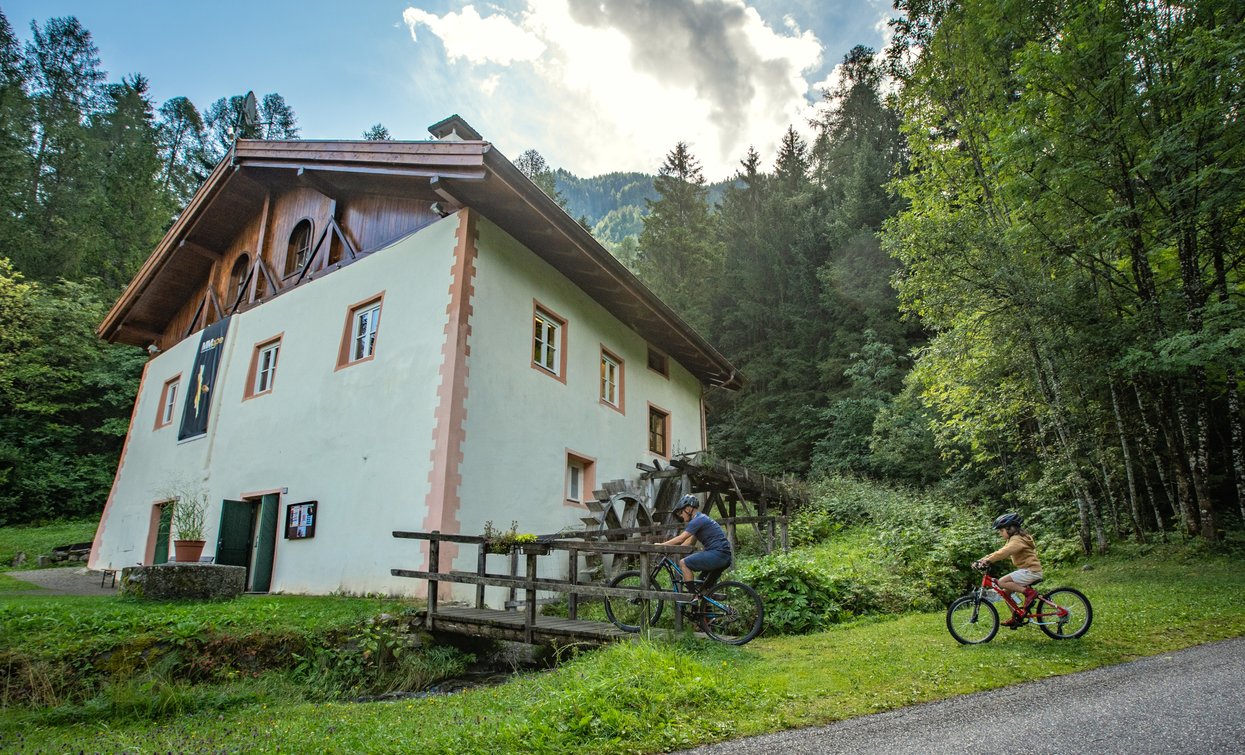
(634, 510)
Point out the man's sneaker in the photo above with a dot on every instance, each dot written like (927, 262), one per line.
(1013, 623)
(1030, 594)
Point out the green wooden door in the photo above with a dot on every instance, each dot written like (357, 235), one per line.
(265, 543)
(162, 535)
(233, 539)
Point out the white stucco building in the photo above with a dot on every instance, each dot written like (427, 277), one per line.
(409, 335)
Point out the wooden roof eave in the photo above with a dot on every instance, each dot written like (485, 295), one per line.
(216, 181)
(720, 373)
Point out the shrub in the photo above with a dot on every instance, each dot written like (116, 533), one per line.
(801, 595)
(812, 524)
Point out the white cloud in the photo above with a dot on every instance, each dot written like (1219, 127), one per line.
(598, 85)
(495, 39)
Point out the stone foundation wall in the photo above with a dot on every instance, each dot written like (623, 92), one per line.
(179, 581)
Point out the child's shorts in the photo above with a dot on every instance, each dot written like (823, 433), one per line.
(1024, 577)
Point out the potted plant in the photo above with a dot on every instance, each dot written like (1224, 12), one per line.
(189, 516)
(504, 541)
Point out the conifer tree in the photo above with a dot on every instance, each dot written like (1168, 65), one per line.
(679, 257)
(64, 85)
(183, 149)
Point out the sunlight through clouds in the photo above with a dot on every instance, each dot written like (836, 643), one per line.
(612, 85)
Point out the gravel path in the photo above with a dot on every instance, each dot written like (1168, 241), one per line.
(1191, 701)
(64, 580)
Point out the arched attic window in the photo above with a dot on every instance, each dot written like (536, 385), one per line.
(238, 280)
(299, 251)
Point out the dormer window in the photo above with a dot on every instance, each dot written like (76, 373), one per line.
(298, 254)
(238, 280)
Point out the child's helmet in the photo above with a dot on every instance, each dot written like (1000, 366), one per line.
(1008, 520)
(686, 501)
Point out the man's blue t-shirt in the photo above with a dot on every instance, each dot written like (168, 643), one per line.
(708, 533)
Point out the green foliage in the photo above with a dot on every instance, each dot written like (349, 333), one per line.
(1070, 237)
(61, 397)
(503, 541)
(801, 595)
(811, 525)
(190, 502)
(94, 657)
(374, 659)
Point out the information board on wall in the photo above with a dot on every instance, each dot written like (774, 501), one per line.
(300, 520)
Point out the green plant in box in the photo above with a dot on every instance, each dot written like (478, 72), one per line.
(499, 541)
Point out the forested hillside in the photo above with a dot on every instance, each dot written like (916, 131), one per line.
(91, 174)
(1006, 263)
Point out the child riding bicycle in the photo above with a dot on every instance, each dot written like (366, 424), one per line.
(715, 557)
(1023, 552)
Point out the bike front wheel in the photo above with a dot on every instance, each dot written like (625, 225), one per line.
(732, 613)
(971, 620)
(1063, 614)
(631, 614)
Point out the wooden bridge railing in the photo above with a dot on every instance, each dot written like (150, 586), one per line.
(530, 583)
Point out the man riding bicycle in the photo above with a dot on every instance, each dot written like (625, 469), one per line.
(716, 556)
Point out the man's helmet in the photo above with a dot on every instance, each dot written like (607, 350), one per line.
(1007, 520)
(686, 501)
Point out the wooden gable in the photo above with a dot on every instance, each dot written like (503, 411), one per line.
(358, 196)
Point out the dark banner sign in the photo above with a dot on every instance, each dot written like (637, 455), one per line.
(203, 380)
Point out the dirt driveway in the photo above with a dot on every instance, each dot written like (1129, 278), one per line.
(65, 580)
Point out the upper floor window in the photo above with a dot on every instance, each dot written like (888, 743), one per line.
(658, 362)
(263, 371)
(362, 326)
(549, 342)
(168, 402)
(658, 431)
(298, 253)
(611, 380)
(238, 280)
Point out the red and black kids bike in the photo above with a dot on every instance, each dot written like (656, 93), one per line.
(1063, 613)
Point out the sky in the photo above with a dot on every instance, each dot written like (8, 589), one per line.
(594, 85)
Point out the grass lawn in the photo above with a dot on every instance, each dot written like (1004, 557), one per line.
(36, 541)
(650, 696)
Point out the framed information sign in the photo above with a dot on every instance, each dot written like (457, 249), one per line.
(300, 520)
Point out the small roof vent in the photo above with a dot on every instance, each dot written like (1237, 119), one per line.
(454, 129)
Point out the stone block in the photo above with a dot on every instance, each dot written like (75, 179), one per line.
(182, 581)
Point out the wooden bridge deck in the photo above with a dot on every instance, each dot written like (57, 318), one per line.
(511, 625)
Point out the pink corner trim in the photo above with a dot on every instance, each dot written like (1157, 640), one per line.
(449, 431)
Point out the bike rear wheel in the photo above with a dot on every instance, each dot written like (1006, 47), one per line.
(971, 620)
(1071, 618)
(631, 614)
(732, 613)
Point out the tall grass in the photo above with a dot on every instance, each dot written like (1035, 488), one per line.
(655, 696)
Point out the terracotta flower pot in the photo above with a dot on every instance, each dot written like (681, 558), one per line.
(188, 551)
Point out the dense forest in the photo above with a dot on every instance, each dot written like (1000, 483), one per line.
(1006, 263)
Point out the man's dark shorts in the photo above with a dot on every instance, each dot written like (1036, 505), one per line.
(708, 560)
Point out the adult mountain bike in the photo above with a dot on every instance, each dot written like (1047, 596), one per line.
(1063, 613)
(729, 612)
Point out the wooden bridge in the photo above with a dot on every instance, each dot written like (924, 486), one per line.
(528, 625)
(619, 519)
